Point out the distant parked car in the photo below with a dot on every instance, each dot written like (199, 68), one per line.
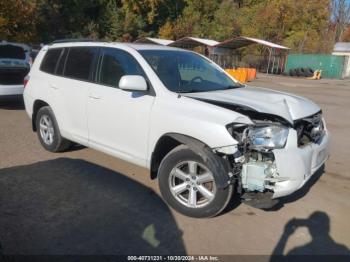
(197, 129)
(15, 62)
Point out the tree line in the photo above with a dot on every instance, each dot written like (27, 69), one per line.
(306, 26)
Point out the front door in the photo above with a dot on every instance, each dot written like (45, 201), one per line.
(118, 120)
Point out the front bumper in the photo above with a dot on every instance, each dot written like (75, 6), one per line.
(9, 90)
(295, 165)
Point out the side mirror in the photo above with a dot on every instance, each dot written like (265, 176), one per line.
(133, 83)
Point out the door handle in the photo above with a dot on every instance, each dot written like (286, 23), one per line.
(53, 86)
(94, 96)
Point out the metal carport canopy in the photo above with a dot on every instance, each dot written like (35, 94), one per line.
(150, 40)
(242, 41)
(191, 42)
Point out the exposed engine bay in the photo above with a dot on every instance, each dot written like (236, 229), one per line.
(254, 165)
(254, 168)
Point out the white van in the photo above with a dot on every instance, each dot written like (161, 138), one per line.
(199, 131)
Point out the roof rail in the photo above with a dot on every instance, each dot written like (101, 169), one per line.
(72, 40)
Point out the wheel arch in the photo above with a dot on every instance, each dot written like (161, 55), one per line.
(169, 141)
(165, 144)
(36, 107)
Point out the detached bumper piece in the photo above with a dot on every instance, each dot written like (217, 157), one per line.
(259, 200)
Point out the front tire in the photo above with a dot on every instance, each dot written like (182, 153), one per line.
(188, 185)
(48, 132)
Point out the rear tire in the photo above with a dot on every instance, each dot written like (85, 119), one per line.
(182, 164)
(48, 132)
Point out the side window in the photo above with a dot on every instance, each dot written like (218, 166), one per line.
(116, 63)
(49, 62)
(80, 62)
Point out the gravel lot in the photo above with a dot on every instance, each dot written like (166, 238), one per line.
(86, 202)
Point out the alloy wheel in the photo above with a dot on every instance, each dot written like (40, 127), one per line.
(192, 184)
(47, 131)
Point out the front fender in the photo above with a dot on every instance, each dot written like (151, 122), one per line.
(193, 118)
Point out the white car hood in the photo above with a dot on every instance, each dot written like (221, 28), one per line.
(287, 106)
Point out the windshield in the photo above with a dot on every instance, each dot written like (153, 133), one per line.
(186, 72)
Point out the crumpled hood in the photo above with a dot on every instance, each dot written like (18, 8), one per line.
(287, 106)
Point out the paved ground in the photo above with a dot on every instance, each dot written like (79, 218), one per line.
(85, 202)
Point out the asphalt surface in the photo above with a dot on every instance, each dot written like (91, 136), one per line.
(86, 202)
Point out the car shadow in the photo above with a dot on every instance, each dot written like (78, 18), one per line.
(318, 225)
(12, 103)
(75, 147)
(299, 193)
(71, 206)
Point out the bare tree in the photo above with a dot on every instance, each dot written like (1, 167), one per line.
(341, 16)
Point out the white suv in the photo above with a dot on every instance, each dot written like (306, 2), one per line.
(198, 130)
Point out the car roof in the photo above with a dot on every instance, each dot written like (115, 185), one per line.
(24, 46)
(135, 46)
(140, 46)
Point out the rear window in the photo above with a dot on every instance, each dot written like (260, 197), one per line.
(49, 62)
(12, 52)
(79, 62)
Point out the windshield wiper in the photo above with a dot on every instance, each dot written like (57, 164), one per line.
(189, 91)
(198, 90)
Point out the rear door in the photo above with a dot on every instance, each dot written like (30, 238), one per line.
(118, 119)
(71, 90)
(44, 80)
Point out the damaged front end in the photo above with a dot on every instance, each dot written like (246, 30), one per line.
(283, 146)
(258, 178)
(274, 159)
(253, 164)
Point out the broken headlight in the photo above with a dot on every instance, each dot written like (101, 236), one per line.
(268, 136)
